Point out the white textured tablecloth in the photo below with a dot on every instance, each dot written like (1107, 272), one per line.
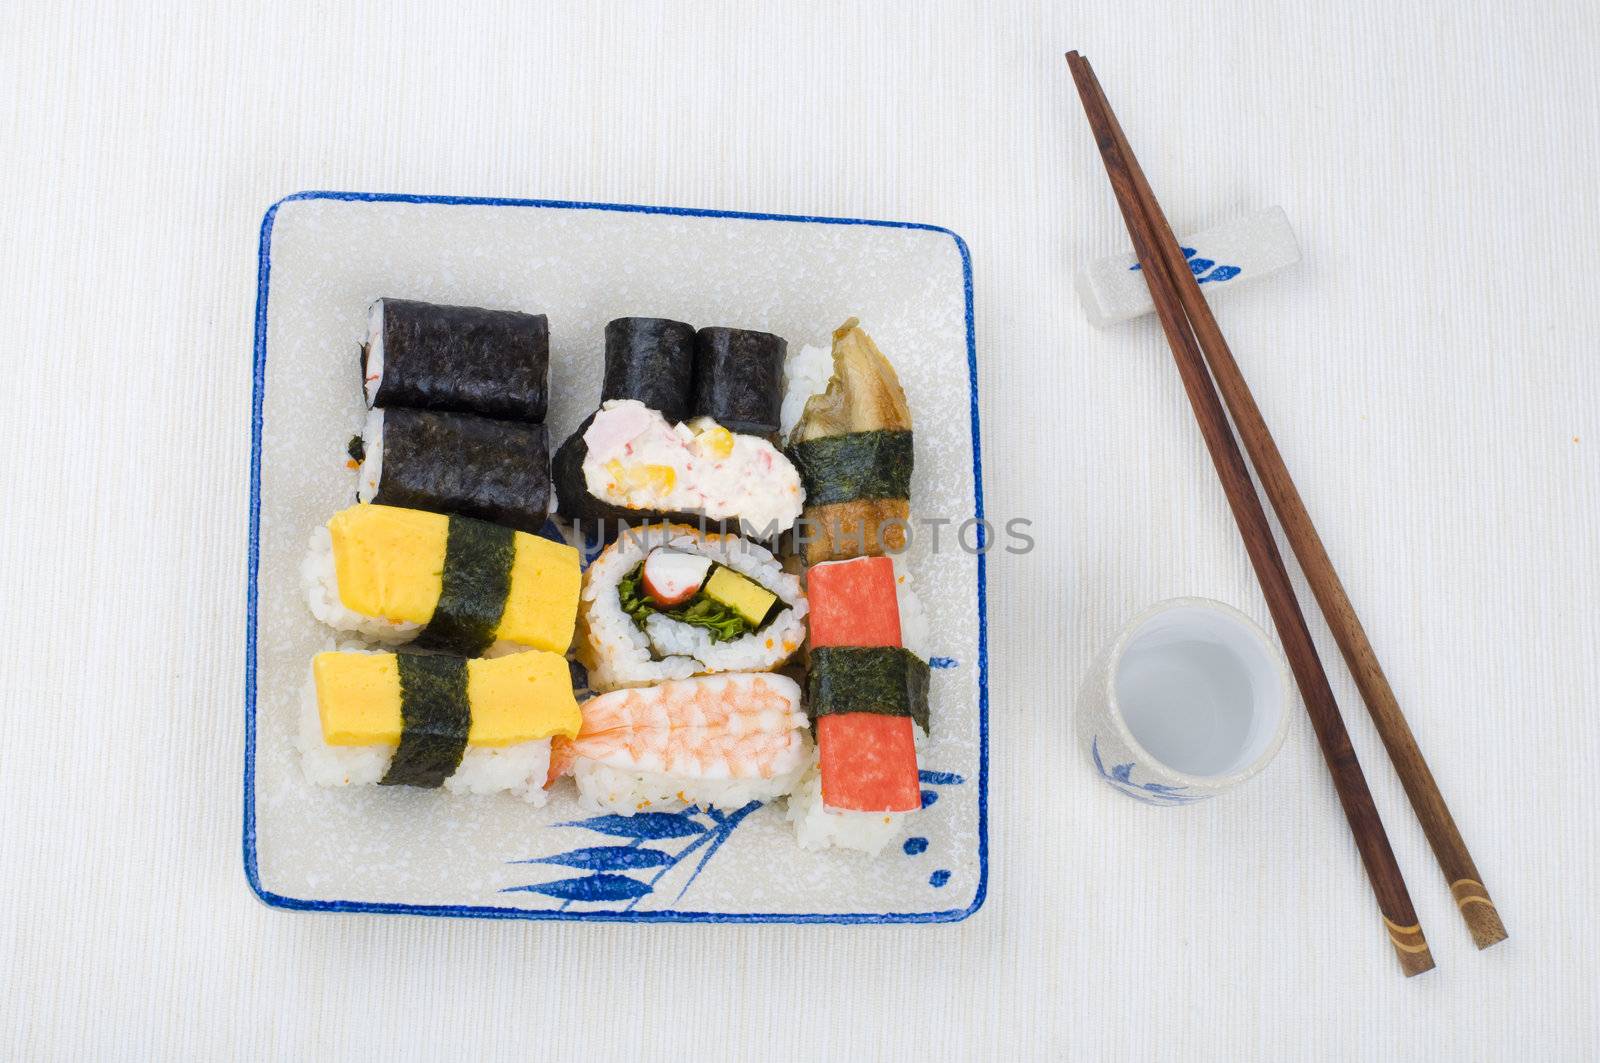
(1432, 369)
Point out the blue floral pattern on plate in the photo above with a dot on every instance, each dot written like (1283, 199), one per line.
(605, 877)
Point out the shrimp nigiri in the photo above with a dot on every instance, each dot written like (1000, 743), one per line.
(718, 741)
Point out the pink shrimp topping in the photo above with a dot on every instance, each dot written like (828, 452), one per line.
(739, 725)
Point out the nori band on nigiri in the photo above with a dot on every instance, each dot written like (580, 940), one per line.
(883, 679)
(738, 379)
(477, 579)
(650, 359)
(496, 471)
(854, 466)
(435, 718)
(464, 359)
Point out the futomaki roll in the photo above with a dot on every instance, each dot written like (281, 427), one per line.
(669, 602)
(460, 359)
(443, 582)
(480, 726)
(496, 471)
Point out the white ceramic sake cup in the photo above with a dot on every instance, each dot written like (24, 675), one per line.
(1190, 699)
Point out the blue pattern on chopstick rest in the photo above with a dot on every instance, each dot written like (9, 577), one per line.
(1199, 266)
(1151, 793)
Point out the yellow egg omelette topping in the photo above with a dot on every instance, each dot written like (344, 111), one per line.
(390, 563)
(521, 697)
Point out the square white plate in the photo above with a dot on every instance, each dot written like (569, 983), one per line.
(324, 257)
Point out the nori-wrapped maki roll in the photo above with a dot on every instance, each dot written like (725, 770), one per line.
(496, 471)
(738, 379)
(650, 359)
(461, 359)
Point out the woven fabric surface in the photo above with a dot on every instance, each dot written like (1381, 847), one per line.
(1430, 368)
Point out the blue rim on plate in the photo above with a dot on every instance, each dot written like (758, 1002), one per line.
(278, 900)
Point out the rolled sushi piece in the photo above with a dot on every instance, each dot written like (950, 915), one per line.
(635, 466)
(738, 379)
(404, 719)
(650, 360)
(853, 449)
(457, 359)
(498, 471)
(715, 741)
(448, 583)
(740, 612)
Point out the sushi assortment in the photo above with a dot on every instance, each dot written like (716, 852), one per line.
(718, 650)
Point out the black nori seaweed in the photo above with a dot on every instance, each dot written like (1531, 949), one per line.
(738, 379)
(464, 359)
(854, 466)
(496, 471)
(882, 679)
(650, 359)
(435, 719)
(356, 448)
(476, 582)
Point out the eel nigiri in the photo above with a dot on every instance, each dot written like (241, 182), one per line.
(717, 741)
(852, 446)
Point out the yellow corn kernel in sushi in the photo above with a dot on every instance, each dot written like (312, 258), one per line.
(715, 442)
(542, 605)
(518, 698)
(657, 478)
(389, 561)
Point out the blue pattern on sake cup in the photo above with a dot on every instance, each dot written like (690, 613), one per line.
(1189, 700)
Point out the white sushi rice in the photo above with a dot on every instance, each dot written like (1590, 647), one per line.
(519, 770)
(322, 595)
(805, 373)
(816, 827)
(374, 369)
(370, 475)
(618, 654)
(604, 787)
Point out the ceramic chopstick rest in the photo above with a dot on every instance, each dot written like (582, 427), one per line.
(1245, 248)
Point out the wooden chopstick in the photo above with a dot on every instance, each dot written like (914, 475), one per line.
(1466, 885)
(1388, 884)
